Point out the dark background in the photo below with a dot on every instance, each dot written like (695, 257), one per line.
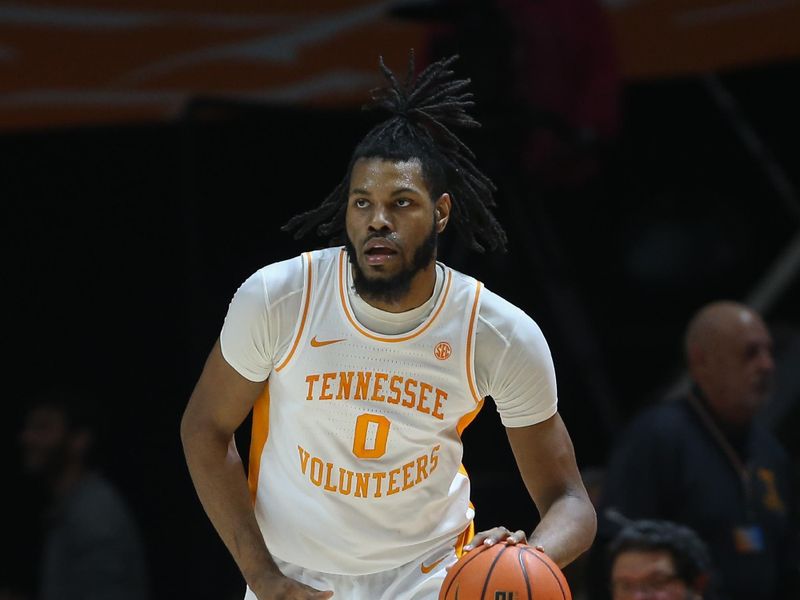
(125, 244)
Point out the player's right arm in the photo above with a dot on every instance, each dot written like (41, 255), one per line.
(220, 402)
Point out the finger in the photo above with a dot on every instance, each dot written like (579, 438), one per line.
(488, 537)
(518, 537)
(315, 594)
(477, 540)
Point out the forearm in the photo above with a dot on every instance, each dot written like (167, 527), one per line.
(218, 476)
(566, 529)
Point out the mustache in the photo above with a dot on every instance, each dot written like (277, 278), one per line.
(390, 236)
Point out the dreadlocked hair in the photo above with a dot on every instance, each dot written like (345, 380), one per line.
(424, 110)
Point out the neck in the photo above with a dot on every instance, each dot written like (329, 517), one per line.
(66, 479)
(732, 428)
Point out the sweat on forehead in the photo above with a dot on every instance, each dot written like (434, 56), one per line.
(369, 174)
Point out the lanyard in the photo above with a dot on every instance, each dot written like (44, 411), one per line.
(739, 466)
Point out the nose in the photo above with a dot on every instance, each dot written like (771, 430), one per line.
(766, 360)
(380, 219)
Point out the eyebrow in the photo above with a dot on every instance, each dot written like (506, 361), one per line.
(405, 190)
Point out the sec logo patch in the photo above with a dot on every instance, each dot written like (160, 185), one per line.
(442, 351)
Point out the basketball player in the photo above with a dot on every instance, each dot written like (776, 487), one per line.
(362, 364)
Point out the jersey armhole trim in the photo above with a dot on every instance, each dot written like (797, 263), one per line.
(258, 439)
(306, 305)
(473, 386)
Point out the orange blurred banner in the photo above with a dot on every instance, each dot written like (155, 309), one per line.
(663, 38)
(67, 62)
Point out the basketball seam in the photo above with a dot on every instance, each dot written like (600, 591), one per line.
(489, 574)
(461, 568)
(549, 568)
(525, 574)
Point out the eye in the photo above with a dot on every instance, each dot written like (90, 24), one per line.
(360, 202)
(403, 202)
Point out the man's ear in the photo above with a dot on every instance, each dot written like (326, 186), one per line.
(81, 442)
(441, 213)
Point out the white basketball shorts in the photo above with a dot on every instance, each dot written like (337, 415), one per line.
(420, 579)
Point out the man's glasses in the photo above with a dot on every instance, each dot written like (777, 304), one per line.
(652, 585)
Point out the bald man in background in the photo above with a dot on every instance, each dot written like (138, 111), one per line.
(705, 461)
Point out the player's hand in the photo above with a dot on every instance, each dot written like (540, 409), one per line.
(498, 534)
(280, 587)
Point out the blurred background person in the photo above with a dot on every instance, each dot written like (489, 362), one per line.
(658, 560)
(92, 547)
(704, 460)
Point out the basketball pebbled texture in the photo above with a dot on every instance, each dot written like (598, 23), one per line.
(505, 572)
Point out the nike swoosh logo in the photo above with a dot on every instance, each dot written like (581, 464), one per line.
(320, 343)
(431, 566)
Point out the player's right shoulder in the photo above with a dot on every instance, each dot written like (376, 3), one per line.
(285, 279)
(277, 280)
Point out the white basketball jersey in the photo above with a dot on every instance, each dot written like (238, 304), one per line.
(355, 463)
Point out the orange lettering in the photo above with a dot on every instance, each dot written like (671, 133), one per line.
(362, 485)
(326, 386)
(381, 426)
(316, 471)
(378, 477)
(424, 388)
(376, 387)
(408, 479)
(303, 459)
(328, 469)
(362, 385)
(422, 468)
(393, 489)
(394, 386)
(345, 380)
(437, 405)
(411, 397)
(311, 379)
(434, 457)
(345, 491)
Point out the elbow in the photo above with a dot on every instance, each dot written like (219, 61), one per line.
(585, 518)
(591, 526)
(588, 524)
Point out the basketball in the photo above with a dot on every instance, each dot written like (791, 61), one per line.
(503, 572)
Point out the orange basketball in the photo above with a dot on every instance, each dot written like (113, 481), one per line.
(503, 572)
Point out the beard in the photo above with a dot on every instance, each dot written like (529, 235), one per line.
(393, 288)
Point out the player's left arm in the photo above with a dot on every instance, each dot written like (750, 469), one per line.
(546, 461)
(514, 366)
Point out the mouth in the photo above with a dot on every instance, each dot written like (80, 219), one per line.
(379, 251)
(762, 386)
